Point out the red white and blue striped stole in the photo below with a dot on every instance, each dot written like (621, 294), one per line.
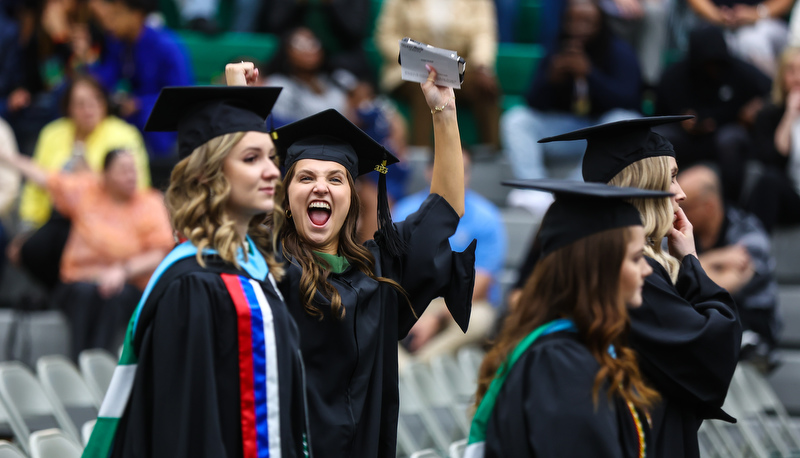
(258, 368)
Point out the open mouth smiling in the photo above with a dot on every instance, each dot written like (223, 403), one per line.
(319, 212)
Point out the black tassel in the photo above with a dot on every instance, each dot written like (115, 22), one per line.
(387, 236)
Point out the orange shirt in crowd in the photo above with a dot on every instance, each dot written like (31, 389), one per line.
(104, 231)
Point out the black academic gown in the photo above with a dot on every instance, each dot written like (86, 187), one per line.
(545, 408)
(687, 338)
(351, 364)
(185, 397)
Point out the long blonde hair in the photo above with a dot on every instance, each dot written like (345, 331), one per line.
(779, 89)
(196, 199)
(652, 173)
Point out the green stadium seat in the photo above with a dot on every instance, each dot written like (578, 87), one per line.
(528, 20)
(210, 54)
(516, 64)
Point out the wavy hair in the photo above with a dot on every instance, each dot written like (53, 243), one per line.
(579, 281)
(315, 269)
(652, 173)
(197, 197)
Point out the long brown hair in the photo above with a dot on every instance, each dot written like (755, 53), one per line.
(579, 281)
(197, 197)
(315, 269)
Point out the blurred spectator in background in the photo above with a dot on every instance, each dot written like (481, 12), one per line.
(75, 142)
(138, 62)
(81, 138)
(341, 25)
(642, 23)
(466, 26)
(435, 332)
(775, 199)
(119, 235)
(35, 67)
(9, 177)
(10, 58)
(755, 29)
(201, 15)
(734, 250)
(724, 93)
(301, 68)
(9, 187)
(588, 77)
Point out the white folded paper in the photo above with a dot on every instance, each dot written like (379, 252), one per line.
(414, 55)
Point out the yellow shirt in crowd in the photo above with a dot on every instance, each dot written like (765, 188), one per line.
(54, 149)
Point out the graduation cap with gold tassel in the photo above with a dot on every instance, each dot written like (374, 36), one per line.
(329, 136)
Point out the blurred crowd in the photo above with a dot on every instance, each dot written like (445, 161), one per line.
(78, 79)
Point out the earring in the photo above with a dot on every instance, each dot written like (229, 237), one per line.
(288, 213)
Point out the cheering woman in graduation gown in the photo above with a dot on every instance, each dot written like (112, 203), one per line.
(687, 333)
(352, 302)
(211, 365)
(561, 379)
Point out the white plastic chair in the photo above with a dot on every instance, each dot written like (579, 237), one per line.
(97, 367)
(5, 421)
(770, 407)
(762, 413)
(712, 444)
(447, 373)
(427, 453)
(741, 438)
(469, 360)
(456, 449)
(65, 386)
(53, 443)
(9, 450)
(417, 427)
(28, 407)
(440, 401)
(86, 431)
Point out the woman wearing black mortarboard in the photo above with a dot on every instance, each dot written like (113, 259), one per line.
(353, 302)
(687, 333)
(561, 379)
(211, 364)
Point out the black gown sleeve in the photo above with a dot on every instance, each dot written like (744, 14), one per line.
(430, 268)
(545, 408)
(687, 337)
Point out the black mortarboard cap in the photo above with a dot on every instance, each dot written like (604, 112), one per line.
(329, 136)
(584, 209)
(200, 113)
(613, 146)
